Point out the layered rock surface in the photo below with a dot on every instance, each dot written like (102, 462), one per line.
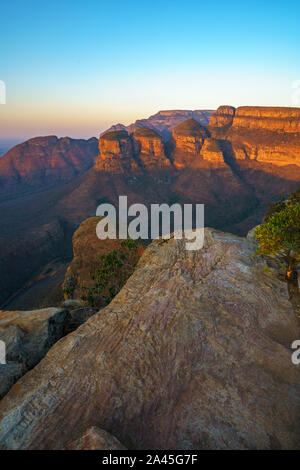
(28, 336)
(120, 152)
(266, 135)
(193, 353)
(149, 148)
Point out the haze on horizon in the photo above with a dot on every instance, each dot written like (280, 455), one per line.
(75, 68)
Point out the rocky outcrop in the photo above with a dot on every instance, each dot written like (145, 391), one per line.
(28, 336)
(45, 161)
(96, 439)
(164, 121)
(149, 148)
(188, 138)
(116, 153)
(124, 153)
(268, 118)
(222, 117)
(193, 353)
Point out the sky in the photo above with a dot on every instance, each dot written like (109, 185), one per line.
(74, 67)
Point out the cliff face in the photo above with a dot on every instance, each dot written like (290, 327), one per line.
(193, 353)
(267, 135)
(116, 153)
(144, 149)
(188, 138)
(45, 161)
(222, 117)
(149, 148)
(270, 118)
(120, 152)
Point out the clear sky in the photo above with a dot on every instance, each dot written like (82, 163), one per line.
(75, 67)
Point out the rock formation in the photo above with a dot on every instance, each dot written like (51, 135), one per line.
(123, 153)
(28, 336)
(266, 135)
(164, 121)
(44, 161)
(193, 353)
(116, 153)
(188, 138)
(222, 117)
(149, 148)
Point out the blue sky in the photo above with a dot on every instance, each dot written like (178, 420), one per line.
(75, 67)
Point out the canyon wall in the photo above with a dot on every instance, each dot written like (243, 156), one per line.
(263, 134)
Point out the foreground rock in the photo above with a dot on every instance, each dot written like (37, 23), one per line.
(96, 439)
(193, 353)
(28, 336)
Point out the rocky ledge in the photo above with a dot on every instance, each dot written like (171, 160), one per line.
(193, 353)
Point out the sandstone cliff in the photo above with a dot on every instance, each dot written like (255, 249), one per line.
(116, 153)
(149, 148)
(120, 152)
(193, 353)
(267, 135)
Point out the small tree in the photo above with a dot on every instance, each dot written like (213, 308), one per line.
(113, 270)
(279, 236)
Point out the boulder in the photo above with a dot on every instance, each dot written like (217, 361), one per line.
(27, 336)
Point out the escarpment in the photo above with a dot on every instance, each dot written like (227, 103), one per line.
(193, 353)
(261, 134)
(120, 152)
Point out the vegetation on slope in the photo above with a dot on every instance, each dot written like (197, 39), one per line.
(279, 236)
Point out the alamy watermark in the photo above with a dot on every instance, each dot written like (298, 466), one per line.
(2, 92)
(161, 220)
(296, 354)
(2, 352)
